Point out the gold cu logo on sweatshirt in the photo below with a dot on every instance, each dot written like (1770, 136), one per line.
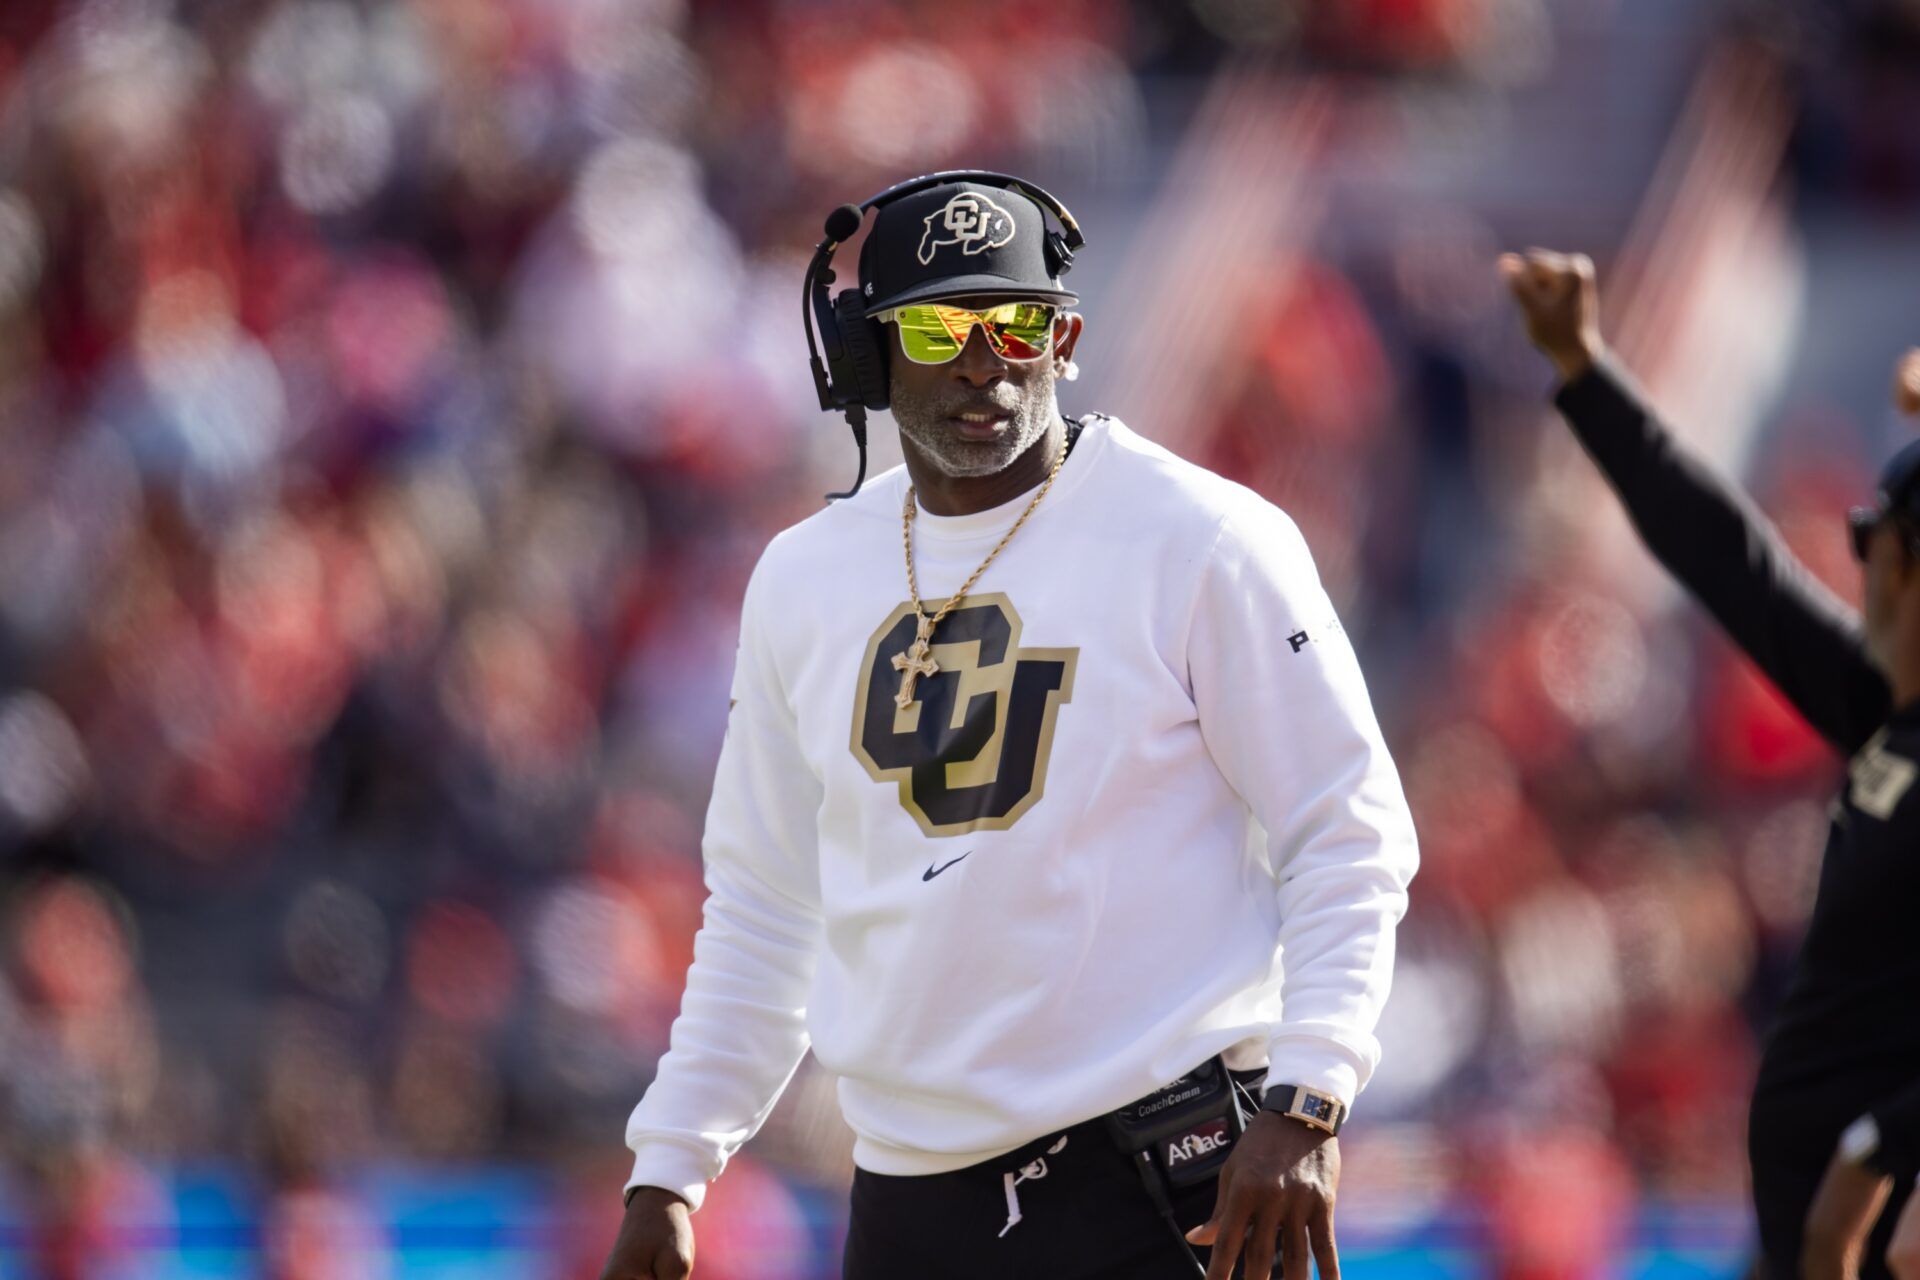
(970, 752)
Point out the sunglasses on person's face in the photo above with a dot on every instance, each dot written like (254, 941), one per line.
(931, 333)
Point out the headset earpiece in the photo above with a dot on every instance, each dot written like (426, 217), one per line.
(861, 374)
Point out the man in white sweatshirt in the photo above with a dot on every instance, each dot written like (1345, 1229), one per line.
(1043, 750)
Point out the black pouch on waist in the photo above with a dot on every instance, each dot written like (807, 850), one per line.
(1182, 1134)
(1179, 1136)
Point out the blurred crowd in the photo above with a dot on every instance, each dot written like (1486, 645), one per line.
(395, 398)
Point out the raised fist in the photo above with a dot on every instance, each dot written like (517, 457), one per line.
(1561, 306)
(1906, 384)
(656, 1240)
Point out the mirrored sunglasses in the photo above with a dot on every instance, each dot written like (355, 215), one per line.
(932, 333)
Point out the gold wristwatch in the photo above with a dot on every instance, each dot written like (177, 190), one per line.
(1322, 1111)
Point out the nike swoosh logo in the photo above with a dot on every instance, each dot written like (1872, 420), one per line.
(933, 871)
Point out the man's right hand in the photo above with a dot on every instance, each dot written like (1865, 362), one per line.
(656, 1239)
(1561, 305)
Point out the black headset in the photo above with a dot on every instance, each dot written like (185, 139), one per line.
(853, 378)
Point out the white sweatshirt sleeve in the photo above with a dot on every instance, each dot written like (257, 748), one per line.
(741, 1030)
(1285, 714)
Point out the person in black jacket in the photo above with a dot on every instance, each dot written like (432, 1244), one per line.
(1834, 1126)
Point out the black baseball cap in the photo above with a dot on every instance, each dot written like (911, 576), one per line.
(961, 239)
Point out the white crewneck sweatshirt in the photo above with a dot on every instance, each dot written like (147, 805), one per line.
(1067, 872)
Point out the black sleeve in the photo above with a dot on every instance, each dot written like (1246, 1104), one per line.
(1712, 538)
(1899, 1121)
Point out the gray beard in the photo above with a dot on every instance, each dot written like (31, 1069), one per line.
(925, 424)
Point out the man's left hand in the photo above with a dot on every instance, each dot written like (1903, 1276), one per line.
(1849, 1199)
(1278, 1183)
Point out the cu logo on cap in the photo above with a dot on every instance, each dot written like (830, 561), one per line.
(971, 221)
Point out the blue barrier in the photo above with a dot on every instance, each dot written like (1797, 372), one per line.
(511, 1223)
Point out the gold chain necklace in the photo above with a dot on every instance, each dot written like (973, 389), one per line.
(918, 660)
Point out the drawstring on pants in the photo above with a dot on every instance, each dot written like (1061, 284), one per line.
(1035, 1169)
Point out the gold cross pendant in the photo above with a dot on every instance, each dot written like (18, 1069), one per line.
(917, 661)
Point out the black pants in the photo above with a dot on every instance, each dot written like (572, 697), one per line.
(1083, 1214)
